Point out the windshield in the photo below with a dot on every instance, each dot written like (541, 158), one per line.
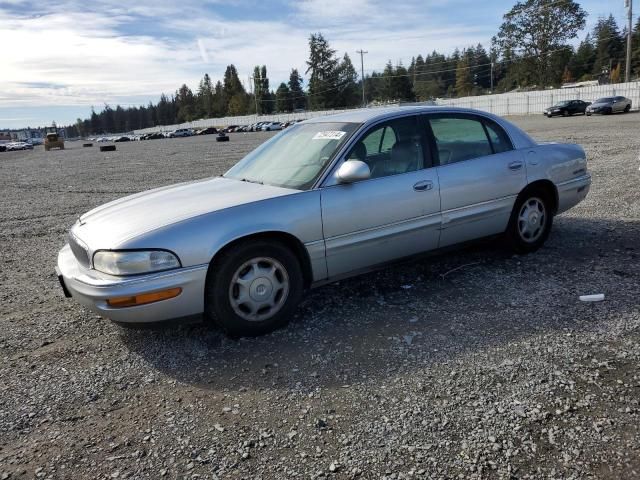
(604, 100)
(562, 104)
(296, 157)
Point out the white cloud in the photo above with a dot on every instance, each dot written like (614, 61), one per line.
(78, 53)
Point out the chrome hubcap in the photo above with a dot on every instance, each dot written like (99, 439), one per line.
(532, 220)
(259, 289)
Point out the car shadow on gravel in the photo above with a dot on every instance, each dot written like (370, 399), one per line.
(430, 310)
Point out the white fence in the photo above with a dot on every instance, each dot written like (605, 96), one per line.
(527, 103)
(516, 103)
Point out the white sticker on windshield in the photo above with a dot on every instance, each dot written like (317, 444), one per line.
(329, 135)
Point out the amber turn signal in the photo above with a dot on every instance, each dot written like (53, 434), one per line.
(143, 298)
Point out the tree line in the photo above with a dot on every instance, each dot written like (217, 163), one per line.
(531, 50)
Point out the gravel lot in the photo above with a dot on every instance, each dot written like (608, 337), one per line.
(477, 364)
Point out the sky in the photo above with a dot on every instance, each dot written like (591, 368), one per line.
(60, 58)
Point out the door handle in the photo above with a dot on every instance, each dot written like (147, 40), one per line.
(423, 186)
(515, 166)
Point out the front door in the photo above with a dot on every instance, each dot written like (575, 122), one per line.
(395, 213)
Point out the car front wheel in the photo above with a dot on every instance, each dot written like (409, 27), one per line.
(530, 222)
(253, 288)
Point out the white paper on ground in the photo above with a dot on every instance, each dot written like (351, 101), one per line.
(592, 298)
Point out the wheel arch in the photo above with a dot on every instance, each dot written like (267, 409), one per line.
(285, 238)
(546, 186)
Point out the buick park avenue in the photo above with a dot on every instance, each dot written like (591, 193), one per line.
(322, 200)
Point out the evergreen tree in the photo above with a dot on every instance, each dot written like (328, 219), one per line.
(234, 97)
(323, 69)
(296, 93)
(581, 64)
(186, 104)
(283, 102)
(349, 92)
(609, 45)
(464, 81)
(205, 97)
(635, 50)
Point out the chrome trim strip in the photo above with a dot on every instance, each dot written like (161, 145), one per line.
(112, 281)
(583, 178)
(388, 225)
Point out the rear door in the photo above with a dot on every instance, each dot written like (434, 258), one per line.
(480, 175)
(395, 213)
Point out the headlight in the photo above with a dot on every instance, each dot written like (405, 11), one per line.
(134, 262)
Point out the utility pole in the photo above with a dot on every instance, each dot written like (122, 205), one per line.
(255, 93)
(629, 5)
(492, 77)
(362, 53)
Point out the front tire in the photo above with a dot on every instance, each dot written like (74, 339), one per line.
(530, 222)
(253, 288)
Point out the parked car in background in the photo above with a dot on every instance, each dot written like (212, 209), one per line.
(122, 139)
(13, 146)
(53, 140)
(271, 126)
(181, 132)
(567, 108)
(208, 131)
(155, 136)
(360, 189)
(609, 105)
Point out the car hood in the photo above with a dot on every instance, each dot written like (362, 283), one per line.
(111, 224)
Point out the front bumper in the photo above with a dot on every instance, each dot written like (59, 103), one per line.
(92, 289)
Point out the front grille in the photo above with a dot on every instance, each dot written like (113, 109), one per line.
(79, 251)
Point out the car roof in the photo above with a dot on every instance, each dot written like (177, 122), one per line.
(367, 115)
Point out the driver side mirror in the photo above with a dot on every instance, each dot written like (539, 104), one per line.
(353, 171)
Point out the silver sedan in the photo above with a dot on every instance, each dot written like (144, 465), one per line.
(325, 199)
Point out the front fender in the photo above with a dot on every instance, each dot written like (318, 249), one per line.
(196, 240)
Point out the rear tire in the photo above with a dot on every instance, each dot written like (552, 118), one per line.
(627, 109)
(530, 222)
(253, 288)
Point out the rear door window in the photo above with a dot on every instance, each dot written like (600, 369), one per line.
(458, 139)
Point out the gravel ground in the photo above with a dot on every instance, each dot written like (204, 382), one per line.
(474, 364)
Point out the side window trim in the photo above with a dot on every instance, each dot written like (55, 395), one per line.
(486, 132)
(384, 132)
(486, 122)
(429, 143)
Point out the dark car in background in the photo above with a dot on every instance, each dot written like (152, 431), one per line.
(208, 131)
(122, 139)
(152, 136)
(609, 105)
(567, 108)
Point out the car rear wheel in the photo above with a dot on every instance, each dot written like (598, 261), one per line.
(627, 109)
(253, 288)
(530, 222)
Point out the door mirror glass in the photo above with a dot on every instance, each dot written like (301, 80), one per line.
(353, 171)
